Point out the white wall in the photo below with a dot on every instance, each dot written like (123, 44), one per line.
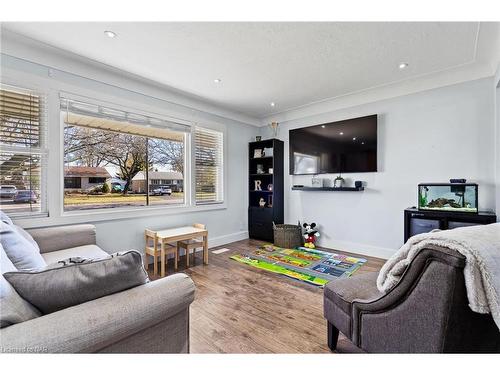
(429, 136)
(496, 89)
(225, 224)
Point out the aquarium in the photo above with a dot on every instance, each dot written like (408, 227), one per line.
(448, 197)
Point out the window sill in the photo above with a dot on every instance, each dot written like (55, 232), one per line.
(91, 216)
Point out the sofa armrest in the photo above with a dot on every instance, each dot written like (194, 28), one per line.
(58, 238)
(97, 324)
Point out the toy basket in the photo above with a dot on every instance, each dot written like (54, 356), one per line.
(287, 235)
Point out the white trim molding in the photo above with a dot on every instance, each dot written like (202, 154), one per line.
(431, 81)
(359, 248)
(59, 62)
(227, 238)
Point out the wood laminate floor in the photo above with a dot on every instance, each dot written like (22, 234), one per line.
(241, 309)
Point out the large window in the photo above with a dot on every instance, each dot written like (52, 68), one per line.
(209, 166)
(23, 153)
(120, 158)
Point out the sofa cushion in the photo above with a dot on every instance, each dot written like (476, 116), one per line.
(4, 218)
(85, 251)
(360, 287)
(23, 254)
(13, 308)
(59, 238)
(77, 280)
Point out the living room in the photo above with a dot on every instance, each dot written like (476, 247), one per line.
(305, 189)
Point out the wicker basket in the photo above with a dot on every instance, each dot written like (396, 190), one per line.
(287, 235)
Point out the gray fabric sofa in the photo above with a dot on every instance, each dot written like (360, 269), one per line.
(150, 318)
(426, 312)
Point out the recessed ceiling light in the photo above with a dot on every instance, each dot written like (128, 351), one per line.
(217, 80)
(403, 65)
(341, 133)
(323, 126)
(354, 139)
(110, 34)
(273, 104)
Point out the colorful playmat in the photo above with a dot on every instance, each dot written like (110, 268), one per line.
(310, 265)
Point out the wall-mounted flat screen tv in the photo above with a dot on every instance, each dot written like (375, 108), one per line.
(336, 147)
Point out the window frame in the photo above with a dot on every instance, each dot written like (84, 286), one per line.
(189, 188)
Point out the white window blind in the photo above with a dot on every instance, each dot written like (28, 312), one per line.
(209, 166)
(23, 155)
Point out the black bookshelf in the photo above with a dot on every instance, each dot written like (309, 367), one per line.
(260, 219)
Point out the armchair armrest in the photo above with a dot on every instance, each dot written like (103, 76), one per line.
(58, 238)
(98, 324)
(417, 307)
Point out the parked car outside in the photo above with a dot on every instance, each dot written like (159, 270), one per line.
(162, 190)
(25, 196)
(116, 187)
(7, 191)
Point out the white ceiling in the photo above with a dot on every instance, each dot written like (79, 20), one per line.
(292, 64)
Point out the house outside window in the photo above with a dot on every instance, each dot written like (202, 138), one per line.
(84, 179)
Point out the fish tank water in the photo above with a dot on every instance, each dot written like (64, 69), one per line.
(448, 197)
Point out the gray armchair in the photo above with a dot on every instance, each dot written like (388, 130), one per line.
(426, 312)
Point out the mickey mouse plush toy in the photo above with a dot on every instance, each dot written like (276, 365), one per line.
(310, 235)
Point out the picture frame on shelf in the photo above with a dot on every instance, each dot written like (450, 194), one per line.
(257, 153)
(270, 171)
(267, 151)
(316, 182)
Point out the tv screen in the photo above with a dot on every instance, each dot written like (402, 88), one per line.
(336, 147)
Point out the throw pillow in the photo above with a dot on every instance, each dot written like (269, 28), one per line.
(74, 281)
(13, 309)
(27, 236)
(23, 254)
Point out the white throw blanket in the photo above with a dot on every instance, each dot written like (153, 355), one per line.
(481, 247)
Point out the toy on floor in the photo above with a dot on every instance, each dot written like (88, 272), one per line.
(310, 235)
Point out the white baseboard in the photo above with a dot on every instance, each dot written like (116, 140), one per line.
(218, 241)
(359, 248)
(227, 238)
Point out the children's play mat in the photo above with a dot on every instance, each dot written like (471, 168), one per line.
(310, 265)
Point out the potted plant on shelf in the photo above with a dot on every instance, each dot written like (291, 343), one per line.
(338, 182)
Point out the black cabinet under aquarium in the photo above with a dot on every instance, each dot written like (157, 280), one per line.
(423, 221)
(452, 197)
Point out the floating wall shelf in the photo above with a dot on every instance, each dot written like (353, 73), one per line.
(309, 188)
